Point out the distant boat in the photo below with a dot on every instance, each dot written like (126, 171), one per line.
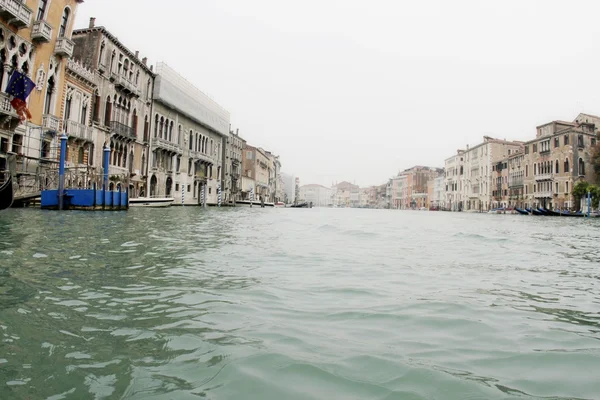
(151, 202)
(279, 204)
(520, 211)
(301, 205)
(6, 193)
(536, 212)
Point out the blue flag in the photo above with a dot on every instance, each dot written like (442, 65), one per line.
(19, 85)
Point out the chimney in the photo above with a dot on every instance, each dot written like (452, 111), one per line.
(92, 22)
(145, 60)
(137, 54)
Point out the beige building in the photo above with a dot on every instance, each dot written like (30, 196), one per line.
(516, 176)
(255, 168)
(479, 180)
(453, 182)
(35, 39)
(121, 104)
(558, 158)
(318, 195)
(232, 167)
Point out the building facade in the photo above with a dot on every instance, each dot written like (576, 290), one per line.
(318, 195)
(516, 176)
(232, 167)
(344, 194)
(187, 139)
(121, 105)
(557, 159)
(478, 182)
(453, 182)
(35, 39)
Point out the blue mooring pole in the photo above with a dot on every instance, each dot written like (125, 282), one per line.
(105, 166)
(61, 170)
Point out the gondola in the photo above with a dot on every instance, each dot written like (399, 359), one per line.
(552, 213)
(520, 211)
(536, 212)
(6, 194)
(569, 214)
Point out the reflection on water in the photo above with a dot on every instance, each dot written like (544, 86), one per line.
(297, 304)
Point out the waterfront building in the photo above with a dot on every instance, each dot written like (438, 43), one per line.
(412, 186)
(187, 139)
(344, 194)
(318, 195)
(232, 167)
(435, 192)
(255, 167)
(516, 175)
(558, 158)
(478, 187)
(274, 169)
(35, 39)
(500, 174)
(399, 191)
(120, 106)
(289, 187)
(453, 173)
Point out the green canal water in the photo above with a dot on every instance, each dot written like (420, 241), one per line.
(185, 303)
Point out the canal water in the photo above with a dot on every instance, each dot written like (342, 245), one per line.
(185, 303)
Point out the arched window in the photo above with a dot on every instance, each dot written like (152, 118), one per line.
(566, 165)
(101, 56)
(161, 127)
(534, 169)
(49, 92)
(107, 111)
(80, 156)
(68, 108)
(156, 126)
(171, 132)
(179, 135)
(64, 22)
(581, 167)
(42, 10)
(134, 122)
(84, 113)
(146, 127)
(191, 141)
(556, 168)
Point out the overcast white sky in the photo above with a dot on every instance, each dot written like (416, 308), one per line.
(357, 90)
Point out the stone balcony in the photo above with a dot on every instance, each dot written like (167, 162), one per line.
(6, 109)
(16, 13)
(51, 123)
(125, 84)
(159, 143)
(79, 131)
(544, 177)
(64, 47)
(122, 130)
(547, 194)
(41, 32)
(199, 156)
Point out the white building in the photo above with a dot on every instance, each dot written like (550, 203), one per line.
(318, 195)
(453, 183)
(289, 187)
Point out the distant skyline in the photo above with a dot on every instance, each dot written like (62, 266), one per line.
(356, 91)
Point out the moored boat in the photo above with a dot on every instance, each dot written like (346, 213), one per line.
(521, 211)
(151, 202)
(6, 193)
(255, 203)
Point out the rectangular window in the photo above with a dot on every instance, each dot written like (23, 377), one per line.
(566, 140)
(177, 187)
(209, 190)
(556, 142)
(189, 188)
(41, 10)
(567, 187)
(593, 142)
(535, 147)
(580, 141)
(556, 187)
(526, 149)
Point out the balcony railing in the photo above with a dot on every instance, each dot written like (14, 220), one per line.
(122, 130)
(16, 12)
(64, 47)
(515, 182)
(544, 177)
(78, 130)
(51, 123)
(5, 106)
(545, 194)
(125, 84)
(165, 144)
(41, 31)
(197, 155)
